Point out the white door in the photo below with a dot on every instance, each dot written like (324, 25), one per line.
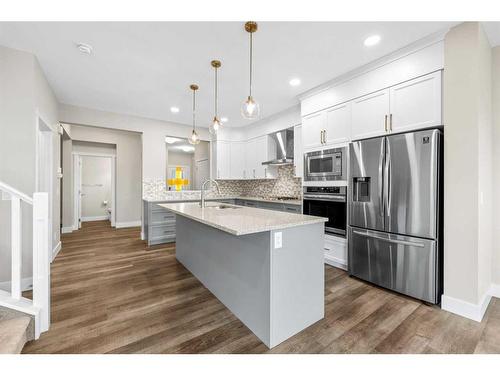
(416, 104)
(338, 124)
(312, 127)
(298, 156)
(237, 161)
(369, 114)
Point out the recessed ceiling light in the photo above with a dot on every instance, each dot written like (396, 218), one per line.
(294, 82)
(372, 40)
(84, 48)
(174, 109)
(223, 119)
(171, 140)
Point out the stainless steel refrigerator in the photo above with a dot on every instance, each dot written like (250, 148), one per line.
(394, 213)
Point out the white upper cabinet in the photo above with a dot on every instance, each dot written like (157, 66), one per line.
(416, 104)
(223, 160)
(298, 156)
(338, 124)
(261, 153)
(237, 161)
(250, 159)
(370, 114)
(312, 130)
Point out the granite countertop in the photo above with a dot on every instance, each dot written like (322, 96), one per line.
(241, 220)
(173, 199)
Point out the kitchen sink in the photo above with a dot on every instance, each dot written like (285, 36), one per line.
(223, 207)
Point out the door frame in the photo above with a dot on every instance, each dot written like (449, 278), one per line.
(44, 144)
(77, 179)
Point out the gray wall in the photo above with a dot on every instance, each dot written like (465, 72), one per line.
(128, 167)
(24, 94)
(468, 170)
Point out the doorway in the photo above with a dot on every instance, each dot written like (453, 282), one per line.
(94, 188)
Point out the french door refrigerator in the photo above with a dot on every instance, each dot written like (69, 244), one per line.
(394, 213)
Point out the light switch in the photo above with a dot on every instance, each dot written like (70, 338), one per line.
(278, 240)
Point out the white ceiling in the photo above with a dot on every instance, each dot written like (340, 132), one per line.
(144, 68)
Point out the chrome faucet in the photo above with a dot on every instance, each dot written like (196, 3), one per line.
(202, 202)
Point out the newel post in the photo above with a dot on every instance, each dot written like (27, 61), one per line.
(41, 264)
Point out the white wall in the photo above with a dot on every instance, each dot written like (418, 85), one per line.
(496, 163)
(24, 92)
(128, 167)
(467, 164)
(153, 133)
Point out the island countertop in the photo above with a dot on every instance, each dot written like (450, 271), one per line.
(239, 220)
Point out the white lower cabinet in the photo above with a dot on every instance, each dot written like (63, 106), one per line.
(336, 251)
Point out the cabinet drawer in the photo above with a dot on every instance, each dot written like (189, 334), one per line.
(156, 207)
(336, 251)
(162, 217)
(293, 209)
(167, 230)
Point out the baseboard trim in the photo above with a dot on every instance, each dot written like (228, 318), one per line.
(95, 218)
(128, 224)
(26, 284)
(335, 262)
(466, 309)
(495, 290)
(56, 250)
(67, 229)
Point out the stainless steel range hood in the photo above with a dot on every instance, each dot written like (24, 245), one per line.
(284, 147)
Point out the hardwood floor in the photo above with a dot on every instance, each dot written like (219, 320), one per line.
(110, 294)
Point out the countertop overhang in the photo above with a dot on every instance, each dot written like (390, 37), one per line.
(241, 220)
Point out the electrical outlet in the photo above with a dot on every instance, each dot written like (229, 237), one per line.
(278, 240)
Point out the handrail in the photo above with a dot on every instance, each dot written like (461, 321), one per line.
(9, 189)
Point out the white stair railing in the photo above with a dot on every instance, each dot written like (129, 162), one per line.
(39, 306)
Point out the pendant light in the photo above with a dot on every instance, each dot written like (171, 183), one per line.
(250, 108)
(194, 139)
(215, 125)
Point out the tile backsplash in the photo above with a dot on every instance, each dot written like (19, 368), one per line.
(285, 185)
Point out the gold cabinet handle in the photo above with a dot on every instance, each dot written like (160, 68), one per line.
(324, 136)
(390, 122)
(385, 123)
(321, 137)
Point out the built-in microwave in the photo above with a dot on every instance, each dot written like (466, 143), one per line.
(326, 165)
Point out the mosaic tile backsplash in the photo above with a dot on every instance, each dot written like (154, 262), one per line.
(285, 185)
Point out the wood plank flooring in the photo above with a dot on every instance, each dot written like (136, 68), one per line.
(111, 294)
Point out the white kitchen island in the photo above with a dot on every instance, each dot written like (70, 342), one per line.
(267, 267)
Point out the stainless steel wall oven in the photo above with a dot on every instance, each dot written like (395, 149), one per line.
(329, 202)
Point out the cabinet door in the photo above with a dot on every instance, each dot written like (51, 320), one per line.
(261, 154)
(338, 124)
(298, 155)
(416, 104)
(312, 126)
(223, 160)
(237, 161)
(250, 159)
(369, 114)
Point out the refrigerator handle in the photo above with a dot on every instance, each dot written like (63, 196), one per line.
(387, 179)
(380, 179)
(390, 240)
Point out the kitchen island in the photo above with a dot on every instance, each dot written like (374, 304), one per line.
(267, 267)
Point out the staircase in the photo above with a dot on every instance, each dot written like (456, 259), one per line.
(23, 319)
(16, 329)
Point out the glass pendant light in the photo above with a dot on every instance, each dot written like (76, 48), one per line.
(215, 125)
(194, 139)
(250, 108)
